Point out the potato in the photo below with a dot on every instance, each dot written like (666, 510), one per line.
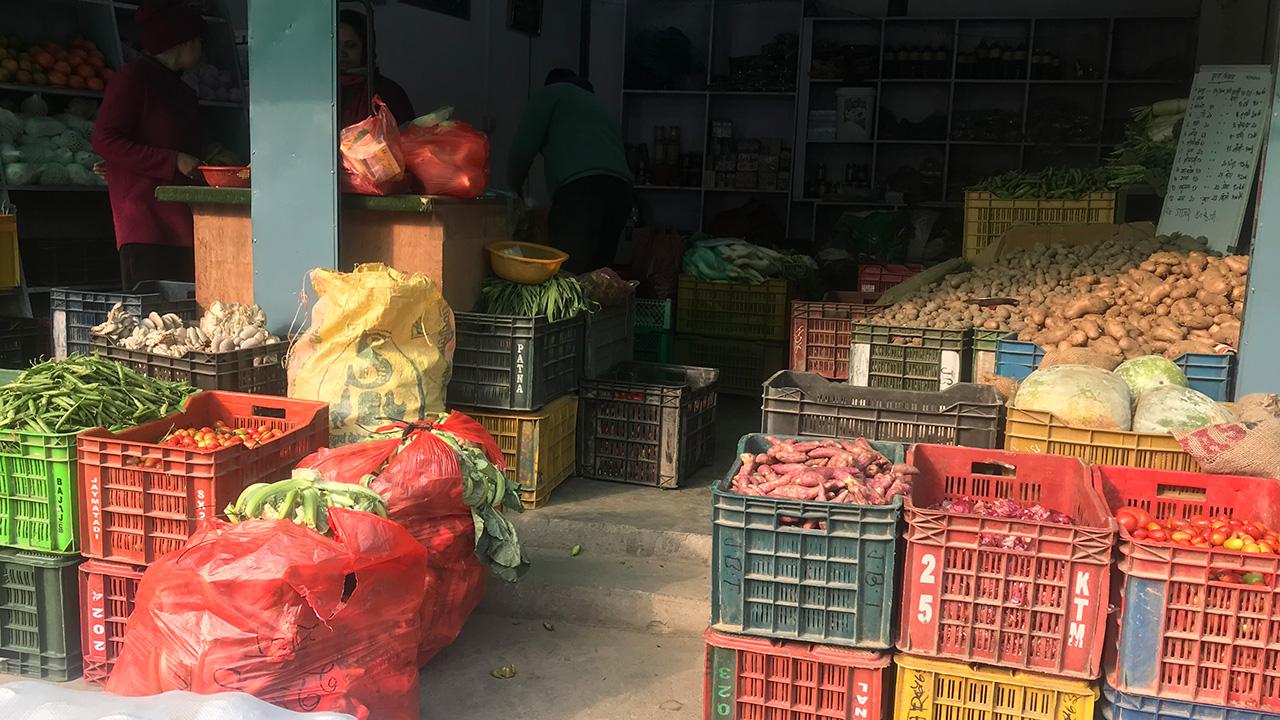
(1053, 336)
(1105, 345)
(1167, 334)
(1237, 263)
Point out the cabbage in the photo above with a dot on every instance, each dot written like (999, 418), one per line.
(53, 174)
(86, 158)
(41, 126)
(1148, 372)
(34, 152)
(80, 175)
(1173, 407)
(60, 156)
(17, 174)
(9, 153)
(1078, 395)
(9, 121)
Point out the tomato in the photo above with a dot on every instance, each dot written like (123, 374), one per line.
(1140, 534)
(1127, 520)
(1201, 521)
(1180, 536)
(1233, 543)
(1218, 538)
(1252, 548)
(1253, 579)
(1177, 524)
(1158, 534)
(1264, 547)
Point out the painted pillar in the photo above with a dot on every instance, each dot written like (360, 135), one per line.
(1259, 339)
(293, 129)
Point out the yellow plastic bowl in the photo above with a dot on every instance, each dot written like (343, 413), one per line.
(524, 263)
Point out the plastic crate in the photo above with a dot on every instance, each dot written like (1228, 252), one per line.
(654, 345)
(135, 513)
(514, 363)
(984, 352)
(744, 365)
(107, 592)
(39, 636)
(38, 491)
(75, 312)
(653, 315)
(10, 262)
(1211, 374)
(806, 404)
(258, 371)
(647, 424)
(1183, 636)
(928, 689)
(538, 447)
(987, 217)
(879, 278)
(1123, 706)
(732, 310)
(19, 341)
(903, 358)
(1042, 609)
(821, 331)
(833, 586)
(1034, 431)
(610, 338)
(756, 678)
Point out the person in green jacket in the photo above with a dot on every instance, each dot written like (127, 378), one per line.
(585, 164)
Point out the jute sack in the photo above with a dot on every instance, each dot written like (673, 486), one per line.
(1236, 448)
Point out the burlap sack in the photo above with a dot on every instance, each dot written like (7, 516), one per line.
(1236, 448)
(1080, 356)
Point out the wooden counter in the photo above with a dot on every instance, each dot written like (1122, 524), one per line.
(442, 238)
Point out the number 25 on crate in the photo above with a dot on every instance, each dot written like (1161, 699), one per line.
(1008, 560)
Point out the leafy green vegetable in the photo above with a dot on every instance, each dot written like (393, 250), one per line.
(1048, 184)
(560, 298)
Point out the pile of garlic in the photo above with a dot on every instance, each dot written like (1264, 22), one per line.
(225, 327)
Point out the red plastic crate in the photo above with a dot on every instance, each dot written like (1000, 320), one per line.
(1043, 609)
(878, 278)
(820, 332)
(1180, 635)
(756, 679)
(134, 514)
(107, 592)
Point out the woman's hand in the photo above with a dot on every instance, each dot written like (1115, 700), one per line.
(100, 169)
(187, 164)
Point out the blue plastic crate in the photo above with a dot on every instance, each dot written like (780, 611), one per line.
(1209, 373)
(834, 585)
(1116, 705)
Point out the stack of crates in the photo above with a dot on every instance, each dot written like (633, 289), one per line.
(1195, 635)
(538, 447)
(739, 329)
(1009, 630)
(909, 358)
(140, 500)
(654, 323)
(76, 312)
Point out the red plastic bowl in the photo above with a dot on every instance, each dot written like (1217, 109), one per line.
(225, 177)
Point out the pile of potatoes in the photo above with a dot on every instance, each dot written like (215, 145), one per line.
(1164, 295)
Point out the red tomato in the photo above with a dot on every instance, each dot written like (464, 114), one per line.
(1180, 536)
(1218, 537)
(1158, 533)
(1140, 534)
(1127, 520)
(1177, 524)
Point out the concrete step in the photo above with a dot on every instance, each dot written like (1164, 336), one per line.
(647, 594)
(557, 531)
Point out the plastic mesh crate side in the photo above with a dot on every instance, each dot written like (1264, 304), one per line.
(654, 346)
(19, 341)
(984, 351)
(903, 358)
(1017, 358)
(1034, 431)
(653, 314)
(987, 217)
(820, 333)
(1209, 373)
(107, 594)
(610, 338)
(514, 363)
(833, 586)
(754, 678)
(805, 404)
(136, 513)
(537, 447)
(879, 278)
(39, 636)
(928, 689)
(1042, 609)
(38, 491)
(75, 312)
(744, 365)
(257, 370)
(732, 310)
(1118, 705)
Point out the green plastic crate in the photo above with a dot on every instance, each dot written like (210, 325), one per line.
(833, 586)
(653, 314)
(984, 352)
(39, 615)
(38, 492)
(654, 345)
(907, 358)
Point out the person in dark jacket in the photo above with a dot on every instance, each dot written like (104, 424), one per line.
(353, 56)
(148, 134)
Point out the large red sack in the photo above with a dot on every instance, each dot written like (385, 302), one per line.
(290, 616)
(449, 158)
(372, 159)
(422, 485)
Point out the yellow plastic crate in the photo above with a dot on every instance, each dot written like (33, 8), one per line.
(1042, 432)
(939, 690)
(539, 447)
(10, 265)
(986, 216)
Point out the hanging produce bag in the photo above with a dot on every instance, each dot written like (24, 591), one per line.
(372, 161)
(446, 156)
(283, 613)
(380, 346)
(441, 481)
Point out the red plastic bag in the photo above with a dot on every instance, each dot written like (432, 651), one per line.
(273, 609)
(450, 158)
(372, 159)
(422, 485)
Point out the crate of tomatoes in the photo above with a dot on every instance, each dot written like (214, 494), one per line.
(1199, 566)
(146, 489)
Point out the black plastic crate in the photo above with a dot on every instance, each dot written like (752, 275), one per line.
(19, 342)
(514, 363)
(40, 616)
(258, 370)
(797, 403)
(744, 365)
(646, 423)
(76, 312)
(906, 358)
(611, 337)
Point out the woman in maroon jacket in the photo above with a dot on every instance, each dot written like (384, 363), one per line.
(353, 56)
(148, 134)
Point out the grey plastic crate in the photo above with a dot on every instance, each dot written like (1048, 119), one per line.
(611, 337)
(75, 312)
(514, 363)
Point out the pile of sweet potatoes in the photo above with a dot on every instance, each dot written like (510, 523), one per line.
(842, 471)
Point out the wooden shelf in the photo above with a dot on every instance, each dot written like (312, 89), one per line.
(51, 90)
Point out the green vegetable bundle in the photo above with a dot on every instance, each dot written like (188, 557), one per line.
(738, 261)
(487, 492)
(304, 499)
(85, 391)
(1048, 184)
(560, 298)
(1146, 155)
